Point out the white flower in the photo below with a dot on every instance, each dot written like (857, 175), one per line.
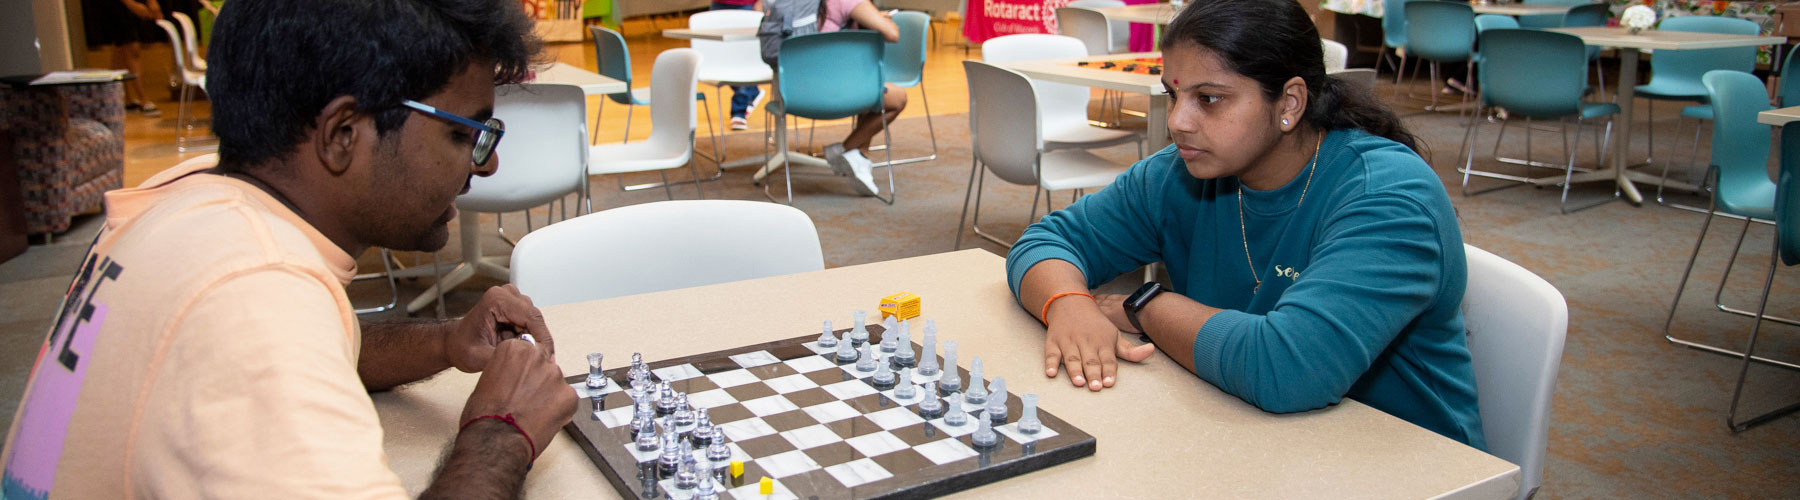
(1638, 16)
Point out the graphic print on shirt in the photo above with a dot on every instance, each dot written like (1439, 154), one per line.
(55, 383)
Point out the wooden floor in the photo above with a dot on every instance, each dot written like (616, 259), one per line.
(150, 142)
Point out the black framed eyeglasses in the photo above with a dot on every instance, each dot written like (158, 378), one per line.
(487, 135)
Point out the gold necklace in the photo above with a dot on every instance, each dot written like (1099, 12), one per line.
(1311, 167)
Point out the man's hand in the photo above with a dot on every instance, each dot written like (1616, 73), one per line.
(1086, 342)
(1113, 306)
(502, 314)
(522, 380)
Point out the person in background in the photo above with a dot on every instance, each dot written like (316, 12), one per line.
(744, 98)
(1287, 296)
(125, 25)
(851, 156)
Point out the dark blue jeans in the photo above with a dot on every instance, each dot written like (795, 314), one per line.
(741, 96)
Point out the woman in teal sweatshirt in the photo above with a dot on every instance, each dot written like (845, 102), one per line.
(1314, 254)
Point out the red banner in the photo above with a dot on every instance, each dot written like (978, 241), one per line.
(992, 18)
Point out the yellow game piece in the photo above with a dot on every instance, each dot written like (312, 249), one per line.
(902, 306)
(737, 468)
(766, 487)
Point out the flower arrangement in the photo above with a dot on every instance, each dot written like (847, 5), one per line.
(1637, 17)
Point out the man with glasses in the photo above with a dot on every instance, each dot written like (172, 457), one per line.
(206, 347)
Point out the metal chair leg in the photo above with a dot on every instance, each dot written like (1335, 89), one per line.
(1749, 350)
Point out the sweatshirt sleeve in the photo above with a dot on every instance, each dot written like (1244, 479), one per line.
(1103, 234)
(1377, 266)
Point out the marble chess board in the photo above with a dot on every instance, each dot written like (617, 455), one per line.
(818, 429)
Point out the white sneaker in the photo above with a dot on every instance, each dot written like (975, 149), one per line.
(739, 123)
(760, 93)
(834, 156)
(863, 170)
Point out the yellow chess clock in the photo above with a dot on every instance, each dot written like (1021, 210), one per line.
(902, 306)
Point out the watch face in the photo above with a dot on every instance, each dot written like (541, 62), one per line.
(1142, 295)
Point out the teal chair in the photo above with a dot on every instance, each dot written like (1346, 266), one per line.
(1486, 22)
(1787, 248)
(1393, 37)
(614, 61)
(1547, 20)
(904, 66)
(1740, 179)
(1789, 93)
(831, 76)
(1587, 15)
(1535, 74)
(1441, 32)
(1675, 76)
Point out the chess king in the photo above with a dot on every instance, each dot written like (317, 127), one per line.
(206, 347)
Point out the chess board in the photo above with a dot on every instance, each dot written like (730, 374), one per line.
(1139, 65)
(820, 430)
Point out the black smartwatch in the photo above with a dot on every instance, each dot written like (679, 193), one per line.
(1138, 299)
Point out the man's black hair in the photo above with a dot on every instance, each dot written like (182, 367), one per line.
(274, 64)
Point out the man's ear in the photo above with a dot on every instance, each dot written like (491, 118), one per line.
(340, 133)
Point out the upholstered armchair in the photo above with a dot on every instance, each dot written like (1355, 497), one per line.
(69, 146)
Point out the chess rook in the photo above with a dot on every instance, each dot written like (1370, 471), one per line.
(1028, 419)
(928, 363)
(596, 376)
(859, 334)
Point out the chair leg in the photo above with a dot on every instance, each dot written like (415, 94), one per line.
(1681, 286)
(629, 108)
(387, 271)
(1719, 293)
(1568, 175)
(961, 220)
(1749, 354)
(888, 138)
(594, 135)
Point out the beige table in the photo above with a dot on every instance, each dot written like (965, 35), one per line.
(717, 35)
(1160, 432)
(1519, 9)
(1065, 71)
(1629, 46)
(1157, 13)
(590, 82)
(1779, 117)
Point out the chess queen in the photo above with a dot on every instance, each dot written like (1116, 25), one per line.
(1312, 253)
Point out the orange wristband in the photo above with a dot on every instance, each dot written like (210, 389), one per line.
(1044, 315)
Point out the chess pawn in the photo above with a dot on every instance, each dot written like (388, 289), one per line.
(686, 478)
(671, 453)
(684, 415)
(639, 380)
(708, 487)
(859, 334)
(955, 416)
(647, 439)
(976, 395)
(637, 365)
(1028, 419)
(717, 451)
(984, 436)
(826, 339)
(904, 388)
(903, 352)
(665, 399)
(931, 407)
(890, 327)
(702, 428)
(884, 376)
(952, 380)
(928, 363)
(996, 401)
(866, 363)
(596, 377)
(846, 351)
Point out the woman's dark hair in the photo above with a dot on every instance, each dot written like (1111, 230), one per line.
(1272, 41)
(275, 63)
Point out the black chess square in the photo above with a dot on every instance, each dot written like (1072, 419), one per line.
(810, 397)
(751, 391)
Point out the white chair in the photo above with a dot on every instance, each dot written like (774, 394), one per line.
(543, 158)
(189, 79)
(1516, 322)
(1008, 134)
(729, 63)
(664, 245)
(188, 39)
(672, 123)
(1087, 25)
(1363, 77)
(1120, 30)
(1337, 55)
(1063, 107)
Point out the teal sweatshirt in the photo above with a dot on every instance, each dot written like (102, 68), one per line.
(1360, 289)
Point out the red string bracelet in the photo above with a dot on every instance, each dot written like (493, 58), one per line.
(508, 418)
(1045, 314)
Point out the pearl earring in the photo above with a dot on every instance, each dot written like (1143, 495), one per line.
(1284, 122)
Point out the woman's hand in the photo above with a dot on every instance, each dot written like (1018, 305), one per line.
(1087, 343)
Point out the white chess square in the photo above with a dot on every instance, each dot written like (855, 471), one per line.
(854, 372)
(877, 444)
(710, 399)
(752, 491)
(763, 407)
(850, 389)
(921, 379)
(582, 390)
(615, 417)
(965, 429)
(811, 436)
(791, 383)
(755, 359)
(732, 378)
(945, 451)
(668, 485)
(858, 472)
(1012, 431)
(831, 412)
(678, 372)
(749, 428)
(787, 464)
(737, 454)
(809, 364)
(641, 456)
(894, 418)
(917, 396)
